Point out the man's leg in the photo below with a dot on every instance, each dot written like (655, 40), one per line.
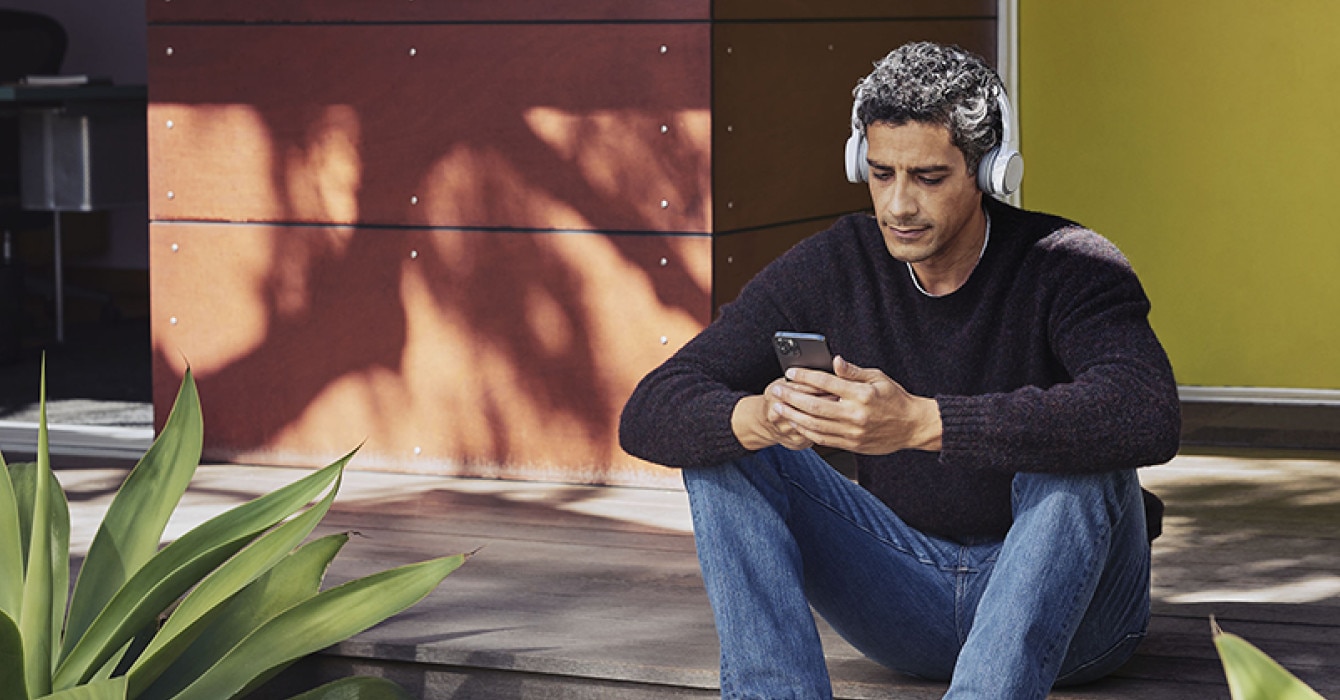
(781, 530)
(1069, 593)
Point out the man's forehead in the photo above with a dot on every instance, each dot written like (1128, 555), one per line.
(912, 145)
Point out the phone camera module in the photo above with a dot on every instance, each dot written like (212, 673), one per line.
(787, 346)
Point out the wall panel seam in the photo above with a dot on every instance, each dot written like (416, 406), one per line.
(787, 222)
(863, 20)
(430, 228)
(643, 21)
(421, 23)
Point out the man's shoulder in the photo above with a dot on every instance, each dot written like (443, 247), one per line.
(1056, 238)
(1026, 223)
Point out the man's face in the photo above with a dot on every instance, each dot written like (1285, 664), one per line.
(924, 196)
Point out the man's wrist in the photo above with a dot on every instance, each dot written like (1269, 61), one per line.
(931, 436)
(746, 421)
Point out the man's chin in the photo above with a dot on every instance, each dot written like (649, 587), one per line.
(908, 253)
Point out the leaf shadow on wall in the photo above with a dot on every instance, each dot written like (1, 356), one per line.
(387, 245)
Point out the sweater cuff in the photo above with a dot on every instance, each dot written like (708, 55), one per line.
(964, 440)
(719, 443)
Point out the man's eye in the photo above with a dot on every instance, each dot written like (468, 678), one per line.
(931, 180)
(881, 174)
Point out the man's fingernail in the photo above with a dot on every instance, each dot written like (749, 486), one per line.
(791, 373)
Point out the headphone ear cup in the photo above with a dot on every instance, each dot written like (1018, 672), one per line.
(1009, 172)
(858, 170)
(1000, 172)
(1002, 168)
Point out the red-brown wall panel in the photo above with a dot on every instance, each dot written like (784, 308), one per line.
(530, 126)
(161, 11)
(455, 352)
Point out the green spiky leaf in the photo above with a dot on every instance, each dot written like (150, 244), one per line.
(330, 617)
(291, 581)
(11, 654)
(180, 566)
(37, 606)
(1252, 675)
(133, 526)
(11, 547)
(110, 689)
(194, 613)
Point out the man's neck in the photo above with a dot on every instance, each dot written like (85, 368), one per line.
(945, 275)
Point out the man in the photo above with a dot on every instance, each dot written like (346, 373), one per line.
(998, 382)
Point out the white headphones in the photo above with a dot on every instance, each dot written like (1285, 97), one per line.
(999, 173)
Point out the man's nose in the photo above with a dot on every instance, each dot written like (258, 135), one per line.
(901, 204)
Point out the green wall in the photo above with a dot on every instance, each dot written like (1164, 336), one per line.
(1203, 138)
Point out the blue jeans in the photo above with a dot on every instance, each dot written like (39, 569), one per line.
(1064, 598)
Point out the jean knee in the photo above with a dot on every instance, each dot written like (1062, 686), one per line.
(1114, 491)
(762, 471)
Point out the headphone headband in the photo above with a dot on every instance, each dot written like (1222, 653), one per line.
(998, 174)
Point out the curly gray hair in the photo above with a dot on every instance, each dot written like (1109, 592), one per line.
(934, 84)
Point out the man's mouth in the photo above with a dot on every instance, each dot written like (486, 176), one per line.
(908, 231)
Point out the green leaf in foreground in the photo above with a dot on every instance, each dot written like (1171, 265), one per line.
(11, 546)
(178, 567)
(132, 529)
(38, 606)
(330, 617)
(1252, 675)
(11, 653)
(291, 581)
(111, 689)
(252, 601)
(23, 477)
(198, 608)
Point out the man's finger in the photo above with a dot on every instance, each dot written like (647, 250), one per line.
(822, 382)
(813, 417)
(806, 399)
(846, 370)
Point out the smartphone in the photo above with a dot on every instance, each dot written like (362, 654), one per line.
(808, 350)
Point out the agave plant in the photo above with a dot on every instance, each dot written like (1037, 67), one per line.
(212, 615)
(1253, 675)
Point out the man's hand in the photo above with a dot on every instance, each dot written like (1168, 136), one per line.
(855, 409)
(758, 422)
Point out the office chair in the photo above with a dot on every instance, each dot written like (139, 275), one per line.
(30, 44)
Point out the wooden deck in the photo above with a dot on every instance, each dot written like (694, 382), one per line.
(589, 592)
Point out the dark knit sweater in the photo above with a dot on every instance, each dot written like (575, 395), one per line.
(1043, 361)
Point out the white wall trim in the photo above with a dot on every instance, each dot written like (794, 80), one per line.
(1268, 396)
(77, 440)
(1007, 64)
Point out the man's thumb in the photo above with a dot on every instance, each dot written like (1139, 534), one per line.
(846, 370)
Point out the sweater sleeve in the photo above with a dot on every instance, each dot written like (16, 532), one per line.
(1120, 407)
